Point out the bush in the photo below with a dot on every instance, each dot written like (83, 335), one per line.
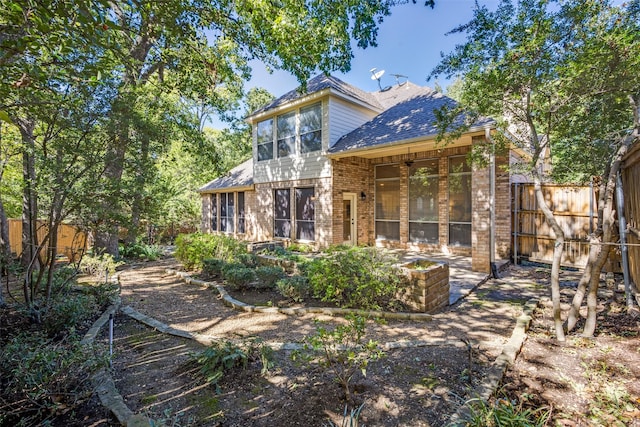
(213, 266)
(97, 265)
(238, 276)
(42, 378)
(247, 259)
(193, 249)
(295, 288)
(361, 277)
(68, 311)
(342, 350)
(221, 357)
(268, 276)
(140, 251)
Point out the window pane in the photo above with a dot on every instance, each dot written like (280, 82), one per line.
(305, 214)
(310, 118)
(286, 146)
(387, 171)
(241, 228)
(265, 131)
(460, 234)
(425, 232)
(214, 212)
(311, 141)
(310, 128)
(423, 191)
(458, 164)
(388, 199)
(286, 130)
(223, 204)
(265, 151)
(387, 230)
(282, 213)
(460, 198)
(230, 213)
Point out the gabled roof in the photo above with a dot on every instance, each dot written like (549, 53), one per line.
(409, 119)
(321, 82)
(240, 177)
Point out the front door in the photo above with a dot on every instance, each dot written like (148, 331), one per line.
(349, 225)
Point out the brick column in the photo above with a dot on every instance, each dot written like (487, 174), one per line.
(481, 219)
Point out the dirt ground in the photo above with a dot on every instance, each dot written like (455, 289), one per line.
(583, 382)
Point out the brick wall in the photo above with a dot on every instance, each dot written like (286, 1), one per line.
(352, 175)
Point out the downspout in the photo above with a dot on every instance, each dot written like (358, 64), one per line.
(492, 209)
(622, 226)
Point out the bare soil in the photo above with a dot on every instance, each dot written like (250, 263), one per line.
(583, 382)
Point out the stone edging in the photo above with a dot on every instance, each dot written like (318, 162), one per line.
(507, 357)
(103, 381)
(229, 301)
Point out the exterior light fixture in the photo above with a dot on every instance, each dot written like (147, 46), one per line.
(363, 196)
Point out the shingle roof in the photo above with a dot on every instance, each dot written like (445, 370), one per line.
(321, 82)
(240, 176)
(409, 119)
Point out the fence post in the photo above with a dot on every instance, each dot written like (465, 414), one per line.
(515, 225)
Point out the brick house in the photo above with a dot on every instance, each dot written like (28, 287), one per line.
(336, 164)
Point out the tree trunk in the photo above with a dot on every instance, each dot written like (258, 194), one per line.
(5, 248)
(137, 204)
(558, 249)
(596, 240)
(29, 257)
(608, 222)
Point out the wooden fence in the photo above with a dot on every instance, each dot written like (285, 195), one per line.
(576, 211)
(630, 184)
(71, 241)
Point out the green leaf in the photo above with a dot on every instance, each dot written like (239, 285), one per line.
(4, 116)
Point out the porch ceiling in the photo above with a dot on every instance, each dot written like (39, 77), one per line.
(403, 148)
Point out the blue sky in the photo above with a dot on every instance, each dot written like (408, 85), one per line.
(409, 43)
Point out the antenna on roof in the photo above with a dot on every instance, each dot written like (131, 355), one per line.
(377, 75)
(399, 78)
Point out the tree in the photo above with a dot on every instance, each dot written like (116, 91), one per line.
(528, 66)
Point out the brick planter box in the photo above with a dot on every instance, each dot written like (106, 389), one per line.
(428, 289)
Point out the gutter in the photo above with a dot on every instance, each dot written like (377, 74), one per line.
(355, 151)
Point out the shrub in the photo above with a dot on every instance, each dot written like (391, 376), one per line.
(68, 311)
(213, 266)
(362, 277)
(42, 378)
(192, 249)
(97, 264)
(238, 276)
(140, 251)
(268, 276)
(246, 259)
(504, 412)
(300, 247)
(295, 288)
(221, 357)
(342, 350)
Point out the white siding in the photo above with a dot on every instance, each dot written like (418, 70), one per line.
(345, 117)
(338, 118)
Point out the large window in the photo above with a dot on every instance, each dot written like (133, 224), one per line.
(227, 212)
(241, 222)
(282, 213)
(459, 201)
(305, 214)
(311, 128)
(265, 140)
(307, 133)
(286, 134)
(387, 202)
(214, 212)
(423, 201)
